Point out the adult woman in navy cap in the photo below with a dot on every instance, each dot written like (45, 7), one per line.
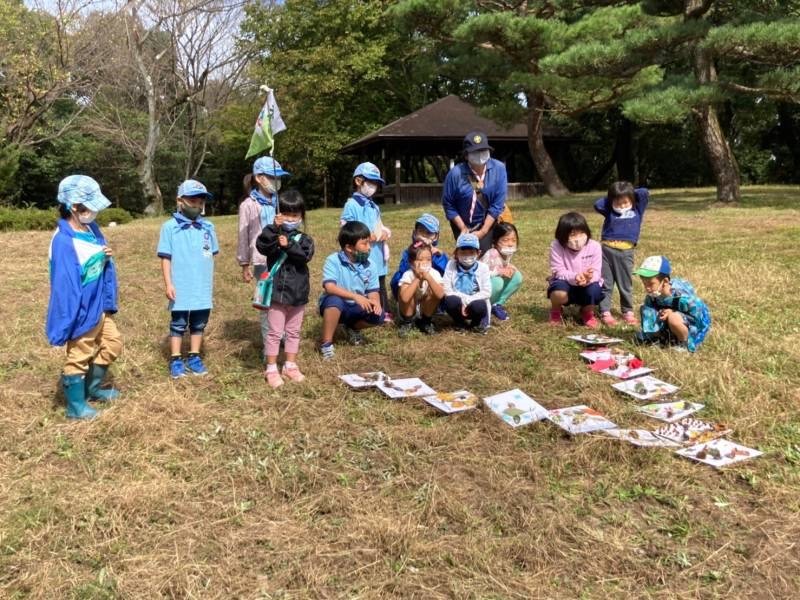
(474, 193)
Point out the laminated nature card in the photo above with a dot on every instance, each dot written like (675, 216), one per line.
(615, 354)
(645, 388)
(692, 431)
(670, 411)
(595, 339)
(361, 380)
(640, 437)
(579, 419)
(453, 402)
(623, 371)
(516, 408)
(719, 453)
(405, 388)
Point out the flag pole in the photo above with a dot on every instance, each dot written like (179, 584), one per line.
(267, 89)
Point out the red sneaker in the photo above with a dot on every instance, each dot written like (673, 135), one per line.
(556, 317)
(588, 318)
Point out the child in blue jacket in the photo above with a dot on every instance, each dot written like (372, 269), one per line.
(83, 296)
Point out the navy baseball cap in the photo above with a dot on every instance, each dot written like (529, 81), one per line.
(476, 140)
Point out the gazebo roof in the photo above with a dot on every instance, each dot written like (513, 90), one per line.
(443, 122)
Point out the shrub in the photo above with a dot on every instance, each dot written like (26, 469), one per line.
(25, 219)
(118, 215)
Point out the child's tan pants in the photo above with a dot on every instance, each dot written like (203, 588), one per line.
(101, 345)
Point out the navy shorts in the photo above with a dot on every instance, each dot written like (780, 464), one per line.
(351, 313)
(195, 319)
(590, 295)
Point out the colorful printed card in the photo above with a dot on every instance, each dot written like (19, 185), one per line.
(453, 402)
(645, 388)
(640, 437)
(361, 380)
(623, 371)
(516, 408)
(595, 339)
(719, 453)
(615, 354)
(692, 431)
(405, 388)
(579, 419)
(670, 411)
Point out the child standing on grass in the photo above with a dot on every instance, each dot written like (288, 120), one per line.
(575, 264)
(506, 278)
(672, 313)
(623, 210)
(83, 296)
(257, 210)
(187, 247)
(426, 231)
(420, 291)
(360, 207)
(288, 251)
(350, 285)
(468, 286)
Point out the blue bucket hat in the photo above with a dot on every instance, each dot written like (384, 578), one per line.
(653, 266)
(468, 240)
(266, 165)
(369, 172)
(429, 222)
(82, 189)
(191, 188)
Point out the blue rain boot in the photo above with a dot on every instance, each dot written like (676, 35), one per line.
(75, 393)
(94, 378)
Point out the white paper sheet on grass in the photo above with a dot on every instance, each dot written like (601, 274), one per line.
(640, 437)
(670, 412)
(595, 339)
(690, 431)
(596, 354)
(453, 402)
(360, 380)
(625, 372)
(729, 453)
(516, 408)
(405, 388)
(579, 419)
(645, 388)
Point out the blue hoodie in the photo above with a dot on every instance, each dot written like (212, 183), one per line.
(83, 283)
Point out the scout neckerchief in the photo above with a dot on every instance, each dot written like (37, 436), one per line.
(264, 202)
(186, 223)
(466, 279)
(476, 182)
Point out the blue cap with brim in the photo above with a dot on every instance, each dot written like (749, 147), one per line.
(82, 189)
(653, 266)
(266, 165)
(429, 222)
(468, 240)
(192, 188)
(369, 172)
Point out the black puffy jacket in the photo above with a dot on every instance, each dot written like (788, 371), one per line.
(291, 285)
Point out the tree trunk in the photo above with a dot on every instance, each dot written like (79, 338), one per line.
(788, 134)
(718, 150)
(541, 157)
(625, 151)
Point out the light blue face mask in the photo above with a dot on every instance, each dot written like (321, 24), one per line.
(291, 225)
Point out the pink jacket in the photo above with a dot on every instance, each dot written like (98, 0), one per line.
(566, 264)
(249, 230)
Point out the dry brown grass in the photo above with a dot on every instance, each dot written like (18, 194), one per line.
(219, 488)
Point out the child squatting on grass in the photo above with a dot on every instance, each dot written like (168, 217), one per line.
(420, 291)
(187, 247)
(506, 278)
(468, 286)
(288, 250)
(575, 263)
(623, 211)
(350, 285)
(672, 312)
(426, 231)
(83, 296)
(257, 210)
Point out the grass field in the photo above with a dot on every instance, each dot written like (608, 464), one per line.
(218, 487)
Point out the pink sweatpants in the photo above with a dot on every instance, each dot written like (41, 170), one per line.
(284, 318)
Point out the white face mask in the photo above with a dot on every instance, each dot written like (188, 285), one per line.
(622, 209)
(479, 157)
(273, 186)
(508, 251)
(424, 267)
(467, 261)
(577, 242)
(368, 189)
(86, 218)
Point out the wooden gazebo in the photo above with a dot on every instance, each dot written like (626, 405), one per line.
(417, 150)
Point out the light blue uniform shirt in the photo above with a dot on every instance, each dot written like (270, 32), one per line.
(359, 278)
(191, 247)
(360, 208)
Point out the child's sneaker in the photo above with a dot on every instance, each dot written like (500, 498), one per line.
(388, 318)
(273, 378)
(630, 318)
(177, 368)
(327, 350)
(589, 320)
(608, 319)
(483, 327)
(354, 336)
(405, 327)
(425, 325)
(292, 373)
(500, 313)
(195, 365)
(556, 318)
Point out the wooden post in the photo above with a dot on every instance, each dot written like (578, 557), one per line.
(397, 181)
